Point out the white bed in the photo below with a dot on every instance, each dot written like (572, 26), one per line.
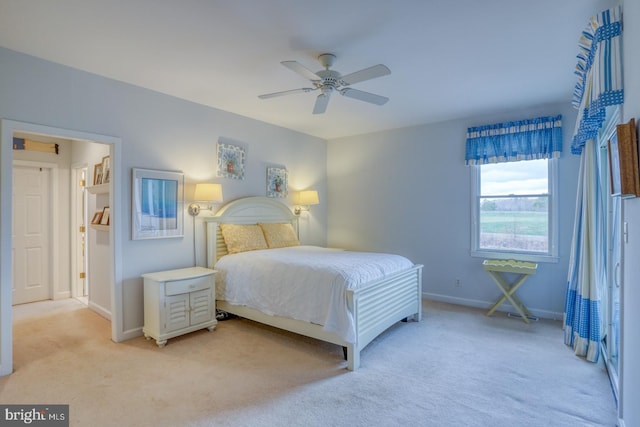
(372, 307)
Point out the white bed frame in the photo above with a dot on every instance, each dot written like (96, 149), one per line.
(375, 306)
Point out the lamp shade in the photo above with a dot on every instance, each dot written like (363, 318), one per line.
(308, 197)
(208, 192)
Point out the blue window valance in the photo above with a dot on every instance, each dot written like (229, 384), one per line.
(599, 71)
(531, 139)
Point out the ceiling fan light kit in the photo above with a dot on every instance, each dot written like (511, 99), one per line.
(328, 81)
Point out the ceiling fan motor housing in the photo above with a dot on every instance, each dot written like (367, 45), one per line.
(327, 59)
(329, 78)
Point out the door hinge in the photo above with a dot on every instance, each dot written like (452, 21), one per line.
(83, 183)
(83, 275)
(82, 228)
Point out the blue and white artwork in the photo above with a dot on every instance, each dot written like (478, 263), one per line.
(230, 161)
(276, 182)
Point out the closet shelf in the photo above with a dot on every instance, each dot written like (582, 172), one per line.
(98, 189)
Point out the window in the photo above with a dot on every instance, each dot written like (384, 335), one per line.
(514, 210)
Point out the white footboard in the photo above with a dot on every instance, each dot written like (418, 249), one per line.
(381, 304)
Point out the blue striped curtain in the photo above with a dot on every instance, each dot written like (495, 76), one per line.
(599, 71)
(583, 325)
(599, 85)
(531, 139)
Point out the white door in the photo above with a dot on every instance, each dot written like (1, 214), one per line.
(31, 234)
(612, 220)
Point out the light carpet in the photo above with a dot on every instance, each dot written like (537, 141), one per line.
(457, 367)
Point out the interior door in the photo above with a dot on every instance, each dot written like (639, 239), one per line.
(613, 334)
(613, 250)
(31, 234)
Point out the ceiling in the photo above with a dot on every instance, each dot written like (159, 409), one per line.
(448, 59)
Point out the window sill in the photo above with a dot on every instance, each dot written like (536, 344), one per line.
(518, 256)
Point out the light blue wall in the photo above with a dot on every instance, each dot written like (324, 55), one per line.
(408, 191)
(159, 132)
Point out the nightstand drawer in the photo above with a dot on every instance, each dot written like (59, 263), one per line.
(187, 285)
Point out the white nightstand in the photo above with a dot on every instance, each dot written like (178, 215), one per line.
(177, 302)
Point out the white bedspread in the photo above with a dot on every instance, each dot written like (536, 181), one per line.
(302, 282)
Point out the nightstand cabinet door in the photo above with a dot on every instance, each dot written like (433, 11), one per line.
(201, 303)
(177, 302)
(176, 312)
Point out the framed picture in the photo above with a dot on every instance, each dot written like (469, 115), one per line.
(276, 182)
(157, 205)
(104, 219)
(97, 174)
(96, 217)
(623, 161)
(106, 170)
(230, 161)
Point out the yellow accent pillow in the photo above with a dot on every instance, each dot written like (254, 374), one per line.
(279, 235)
(242, 238)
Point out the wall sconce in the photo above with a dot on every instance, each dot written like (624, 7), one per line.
(206, 192)
(304, 199)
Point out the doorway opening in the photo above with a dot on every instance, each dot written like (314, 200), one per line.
(52, 246)
(65, 259)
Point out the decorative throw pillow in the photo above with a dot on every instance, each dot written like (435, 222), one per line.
(279, 235)
(242, 238)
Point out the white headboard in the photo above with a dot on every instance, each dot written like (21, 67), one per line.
(248, 210)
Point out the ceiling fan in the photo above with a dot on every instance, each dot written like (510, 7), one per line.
(328, 81)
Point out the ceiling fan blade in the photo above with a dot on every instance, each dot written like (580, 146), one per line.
(366, 74)
(285, 92)
(301, 69)
(321, 103)
(364, 96)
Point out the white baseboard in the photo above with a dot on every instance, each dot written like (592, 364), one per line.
(506, 307)
(128, 334)
(132, 333)
(61, 295)
(100, 310)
